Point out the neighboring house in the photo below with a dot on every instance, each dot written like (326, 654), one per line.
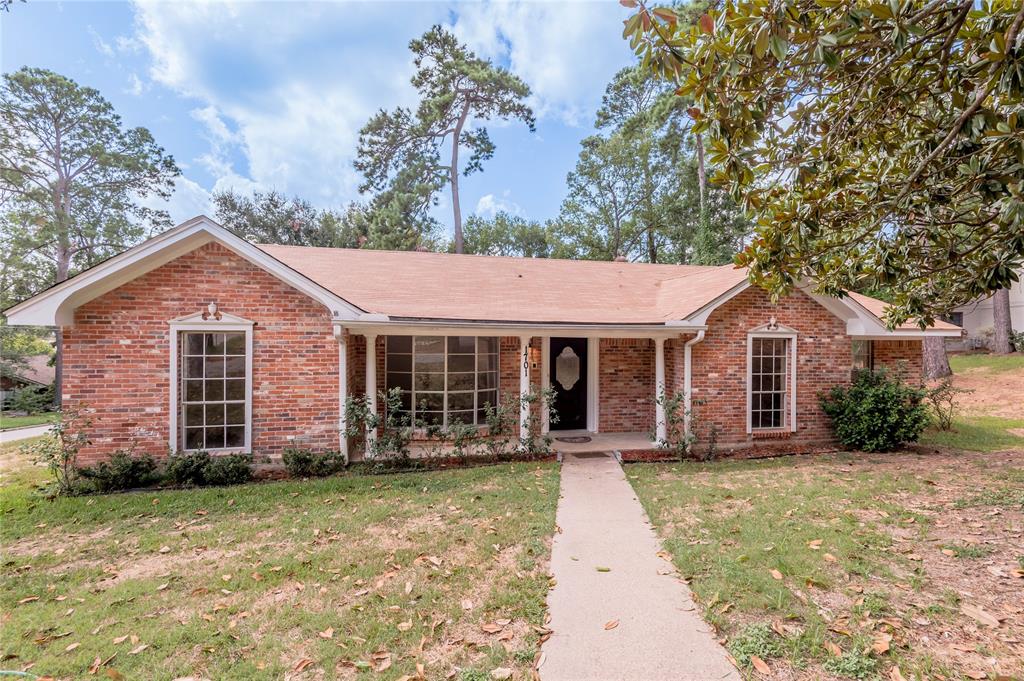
(36, 374)
(977, 321)
(197, 339)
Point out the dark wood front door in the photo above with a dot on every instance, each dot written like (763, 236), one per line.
(568, 365)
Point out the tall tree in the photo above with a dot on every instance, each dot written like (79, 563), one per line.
(878, 144)
(508, 235)
(1002, 322)
(272, 218)
(457, 90)
(74, 176)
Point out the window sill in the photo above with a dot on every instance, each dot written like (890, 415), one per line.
(773, 434)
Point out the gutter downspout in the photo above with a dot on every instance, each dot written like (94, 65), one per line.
(688, 378)
(339, 335)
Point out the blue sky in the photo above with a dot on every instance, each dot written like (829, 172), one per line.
(259, 95)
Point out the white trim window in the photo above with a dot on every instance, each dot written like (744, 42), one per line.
(771, 379)
(211, 383)
(444, 379)
(863, 354)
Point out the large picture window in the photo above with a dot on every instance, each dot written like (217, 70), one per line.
(213, 391)
(768, 381)
(444, 379)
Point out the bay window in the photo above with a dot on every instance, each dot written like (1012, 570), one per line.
(444, 379)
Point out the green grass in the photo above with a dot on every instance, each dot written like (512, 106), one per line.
(808, 544)
(977, 434)
(7, 422)
(994, 363)
(250, 581)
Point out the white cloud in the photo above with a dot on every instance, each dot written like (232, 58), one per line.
(188, 200)
(489, 205)
(102, 46)
(136, 87)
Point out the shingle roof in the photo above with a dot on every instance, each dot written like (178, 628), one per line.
(404, 284)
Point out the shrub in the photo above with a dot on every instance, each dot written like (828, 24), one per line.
(1017, 341)
(228, 469)
(877, 412)
(187, 469)
(199, 468)
(944, 399)
(30, 400)
(756, 639)
(59, 451)
(123, 470)
(394, 431)
(305, 463)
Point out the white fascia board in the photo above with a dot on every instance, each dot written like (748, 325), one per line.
(407, 327)
(699, 318)
(56, 305)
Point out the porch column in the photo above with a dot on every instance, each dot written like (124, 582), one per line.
(545, 381)
(659, 390)
(371, 384)
(339, 334)
(524, 384)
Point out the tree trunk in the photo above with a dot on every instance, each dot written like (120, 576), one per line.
(63, 267)
(936, 364)
(456, 208)
(1002, 324)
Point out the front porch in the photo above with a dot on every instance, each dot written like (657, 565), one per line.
(606, 383)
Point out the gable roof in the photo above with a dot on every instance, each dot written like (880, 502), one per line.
(361, 286)
(37, 370)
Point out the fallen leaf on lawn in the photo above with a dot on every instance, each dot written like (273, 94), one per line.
(975, 674)
(979, 614)
(896, 675)
(491, 628)
(408, 588)
(138, 649)
(302, 664)
(71, 646)
(120, 639)
(501, 673)
(611, 624)
(760, 665)
(775, 574)
(664, 555)
(405, 626)
(778, 628)
(165, 549)
(833, 648)
(163, 586)
(28, 599)
(948, 552)
(814, 544)
(115, 675)
(327, 633)
(467, 604)
(829, 557)
(880, 644)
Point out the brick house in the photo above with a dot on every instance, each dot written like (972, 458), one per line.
(198, 339)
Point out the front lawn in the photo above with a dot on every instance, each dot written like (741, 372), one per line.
(849, 566)
(8, 422)
(986, 362)
(443, 571)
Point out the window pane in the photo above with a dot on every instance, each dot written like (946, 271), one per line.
(235, 366)
(463, 417)
(215, 414)
(194, 367)
(487, 380)
(406, 401)
(194, 438)
(193, 343)
(460, 401)
(433, 362)
(235, 414)
(431, 417)
(462, 344)
(768, 382)
(235, 344)
(487, 362)
(429, 381)
(399, 362)
(193, 391)
(214, 390)
(214, 438)
(400, 344)
(403, 381)
(487, 344)
(234, 436)
(429, 402)
(460, 363)
(461, 381)
(487, 397)
(235, 390)
(214, 367)
(429, 344)
(193, 415)
(214, 344)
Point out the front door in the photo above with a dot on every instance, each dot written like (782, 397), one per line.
(568, 364)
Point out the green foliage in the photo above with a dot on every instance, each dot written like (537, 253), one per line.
(1017, 341)
(272, 218)
(30, 400)
(756, 639)
(400, 151)
(198, 469)
(394, 429)
(943, 398)
(509, 235)
(878, 412)
(853, 664)
(58, 451)
(305, 463)
(122, 471)
(877, 144)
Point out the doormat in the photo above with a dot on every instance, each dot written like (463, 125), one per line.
(574, 440)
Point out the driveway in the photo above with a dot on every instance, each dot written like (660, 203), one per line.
(618, 610)
(22, 433)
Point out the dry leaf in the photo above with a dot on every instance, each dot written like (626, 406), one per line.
(71, 646)
(975, 674)
(833, 648)
(977, 613)
(760, 665)
(467, 604)
(829, 557)
(302, 664)
(611, 624)
(776, 574)
(896, 675)
(814, 545)
(880, 644)
(138, 649)
(327, 633)
(490, 628)
(405, 626)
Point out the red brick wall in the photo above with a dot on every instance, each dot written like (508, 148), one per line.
(626, 385)
(901, 355)
(116, 355)
(720, 363)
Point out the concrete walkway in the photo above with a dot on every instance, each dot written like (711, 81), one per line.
(659, 634)
(16, 434)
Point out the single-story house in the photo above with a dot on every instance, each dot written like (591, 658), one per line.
(977, 319)
(37, 374)
(198, 339)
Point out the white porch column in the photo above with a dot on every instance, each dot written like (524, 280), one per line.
(659, 390)
(371, 384)
(524, 383)
(545, 381)
(339, 334)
